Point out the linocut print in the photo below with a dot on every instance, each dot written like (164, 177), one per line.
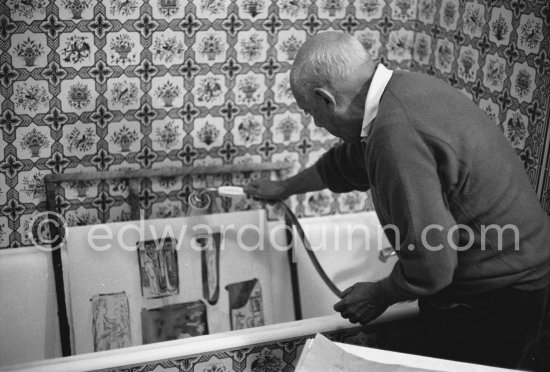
(173, 322)
(158, 263)
(210, 264)
(111, 321)
(245, 304)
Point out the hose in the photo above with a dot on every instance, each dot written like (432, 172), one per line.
(311, 254)
(237, 191)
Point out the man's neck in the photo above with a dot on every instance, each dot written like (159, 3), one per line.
(355, 88)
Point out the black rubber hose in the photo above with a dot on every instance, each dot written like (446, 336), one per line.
(294, 220)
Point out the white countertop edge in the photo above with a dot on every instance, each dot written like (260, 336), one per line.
(179, 349)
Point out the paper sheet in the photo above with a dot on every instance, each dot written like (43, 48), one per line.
(173, 322)
(116, 268)
(321, 354)
(348, 248)
(111, 321)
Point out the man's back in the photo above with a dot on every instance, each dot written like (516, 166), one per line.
(482, 180)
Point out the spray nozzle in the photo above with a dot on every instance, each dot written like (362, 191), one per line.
(229, 191)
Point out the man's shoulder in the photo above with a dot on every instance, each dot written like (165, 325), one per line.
(400, 77)
(417, 87)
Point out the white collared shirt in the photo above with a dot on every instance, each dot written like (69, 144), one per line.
(380, 80)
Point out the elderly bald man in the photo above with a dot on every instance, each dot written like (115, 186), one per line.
(473, 242)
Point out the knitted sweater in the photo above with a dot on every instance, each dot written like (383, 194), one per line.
(441, 172)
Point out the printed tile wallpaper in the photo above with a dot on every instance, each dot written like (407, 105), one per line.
(95, 85)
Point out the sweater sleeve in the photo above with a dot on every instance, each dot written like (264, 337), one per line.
(411, 198)
(342, 168)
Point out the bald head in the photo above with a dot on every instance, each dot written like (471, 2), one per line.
(326, 60)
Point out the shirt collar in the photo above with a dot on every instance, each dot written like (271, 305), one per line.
(380, 80)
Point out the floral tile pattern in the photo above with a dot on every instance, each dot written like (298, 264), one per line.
(88, 85)
(283, 355)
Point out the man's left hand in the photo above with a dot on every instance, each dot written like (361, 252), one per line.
(362, 303)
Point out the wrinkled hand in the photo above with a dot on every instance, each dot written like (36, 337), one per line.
(265, 189)
(362, 303)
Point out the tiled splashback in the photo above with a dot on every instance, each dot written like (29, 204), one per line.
(94, 85)
(283, 355)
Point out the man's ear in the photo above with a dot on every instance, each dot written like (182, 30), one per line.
(325, 96)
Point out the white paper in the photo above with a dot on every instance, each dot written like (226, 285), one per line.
(115, 268)
(321, 354)
(348, 248)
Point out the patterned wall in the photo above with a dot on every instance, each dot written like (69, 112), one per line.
(283, 356)
(95, 85)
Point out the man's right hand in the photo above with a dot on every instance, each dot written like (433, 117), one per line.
(265, 189)
(305, 181)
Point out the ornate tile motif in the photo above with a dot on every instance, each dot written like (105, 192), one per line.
(283, 355)
(103, 85)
